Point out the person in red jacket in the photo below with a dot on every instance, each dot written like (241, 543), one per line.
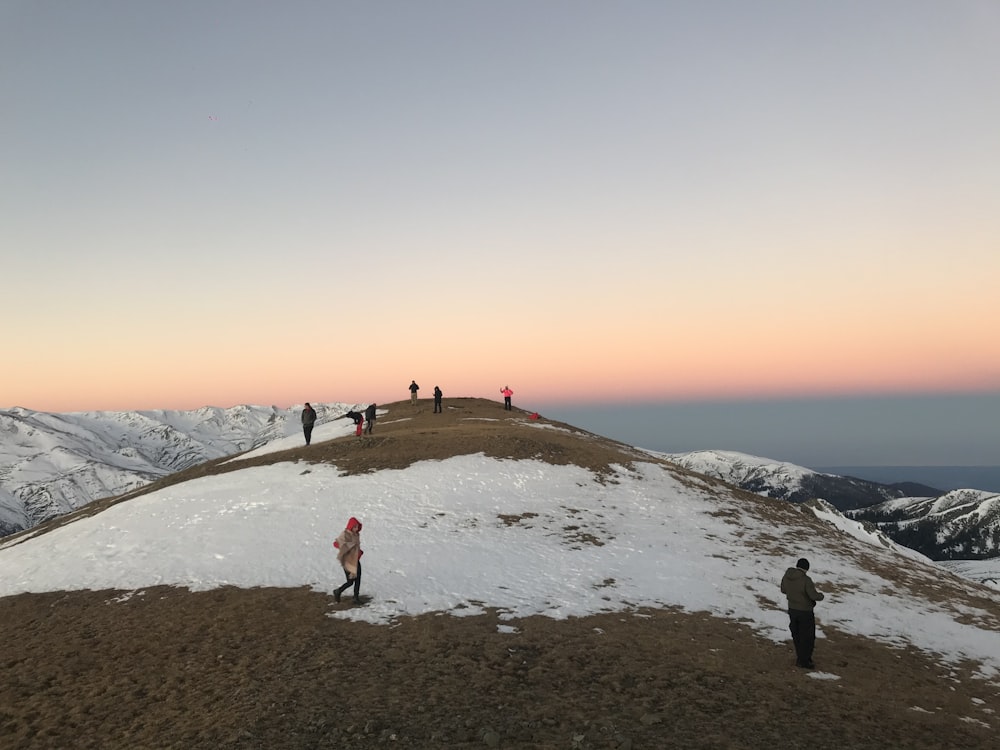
(349, 554)
(507, 393)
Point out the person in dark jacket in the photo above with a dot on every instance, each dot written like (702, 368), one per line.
(308, 422)
(413, 392)
(349, 554)
(358, 421)
(370, 419)
(437, 399)
(802, 596)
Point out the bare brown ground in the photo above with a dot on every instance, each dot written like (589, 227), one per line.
(267, 669)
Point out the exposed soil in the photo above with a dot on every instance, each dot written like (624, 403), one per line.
(267, 669)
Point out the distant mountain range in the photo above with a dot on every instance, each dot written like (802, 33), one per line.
(51, 464)
(944, 478)
(787, 481)
(961, 524)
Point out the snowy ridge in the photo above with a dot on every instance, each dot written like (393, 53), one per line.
(783, 480)
(986, 572)
(745, 471)
(961, 523)
(51, 464)
(957, 503)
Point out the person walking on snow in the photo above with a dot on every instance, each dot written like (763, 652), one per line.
(349, 553)
(369, 418)
(802, 596)
(413, 392)
(507, 393)
(437, 399)
(308, 422)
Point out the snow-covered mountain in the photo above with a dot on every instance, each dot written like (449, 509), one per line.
(785, 481)
(961, 524)
(51, 464)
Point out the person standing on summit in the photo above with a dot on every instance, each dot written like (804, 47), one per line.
(507, 393)
(370, 418)
(308, 422)
(438, 395)
(802, 596)
(413, 392)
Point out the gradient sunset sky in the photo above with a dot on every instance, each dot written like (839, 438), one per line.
(268, 203)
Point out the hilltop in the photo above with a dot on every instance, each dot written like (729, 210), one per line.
(527, 584)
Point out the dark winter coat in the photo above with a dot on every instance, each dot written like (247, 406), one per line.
(308, 416)
(800, 590)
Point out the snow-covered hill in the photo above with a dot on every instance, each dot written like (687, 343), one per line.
(51, 464)
(986, 572)
(475, 531)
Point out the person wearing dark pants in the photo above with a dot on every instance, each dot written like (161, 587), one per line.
(507, 393)
(369, 419)
(802, 596)
(355, 582)
(437, 400)
(802, 625)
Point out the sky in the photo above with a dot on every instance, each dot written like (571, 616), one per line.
(434, 542)
(904, 431)
(249, 203)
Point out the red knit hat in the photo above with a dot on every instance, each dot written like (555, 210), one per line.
(354, 524)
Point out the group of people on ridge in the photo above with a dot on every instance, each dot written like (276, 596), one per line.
(368, 418)
(438, 395)
(309, 420)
